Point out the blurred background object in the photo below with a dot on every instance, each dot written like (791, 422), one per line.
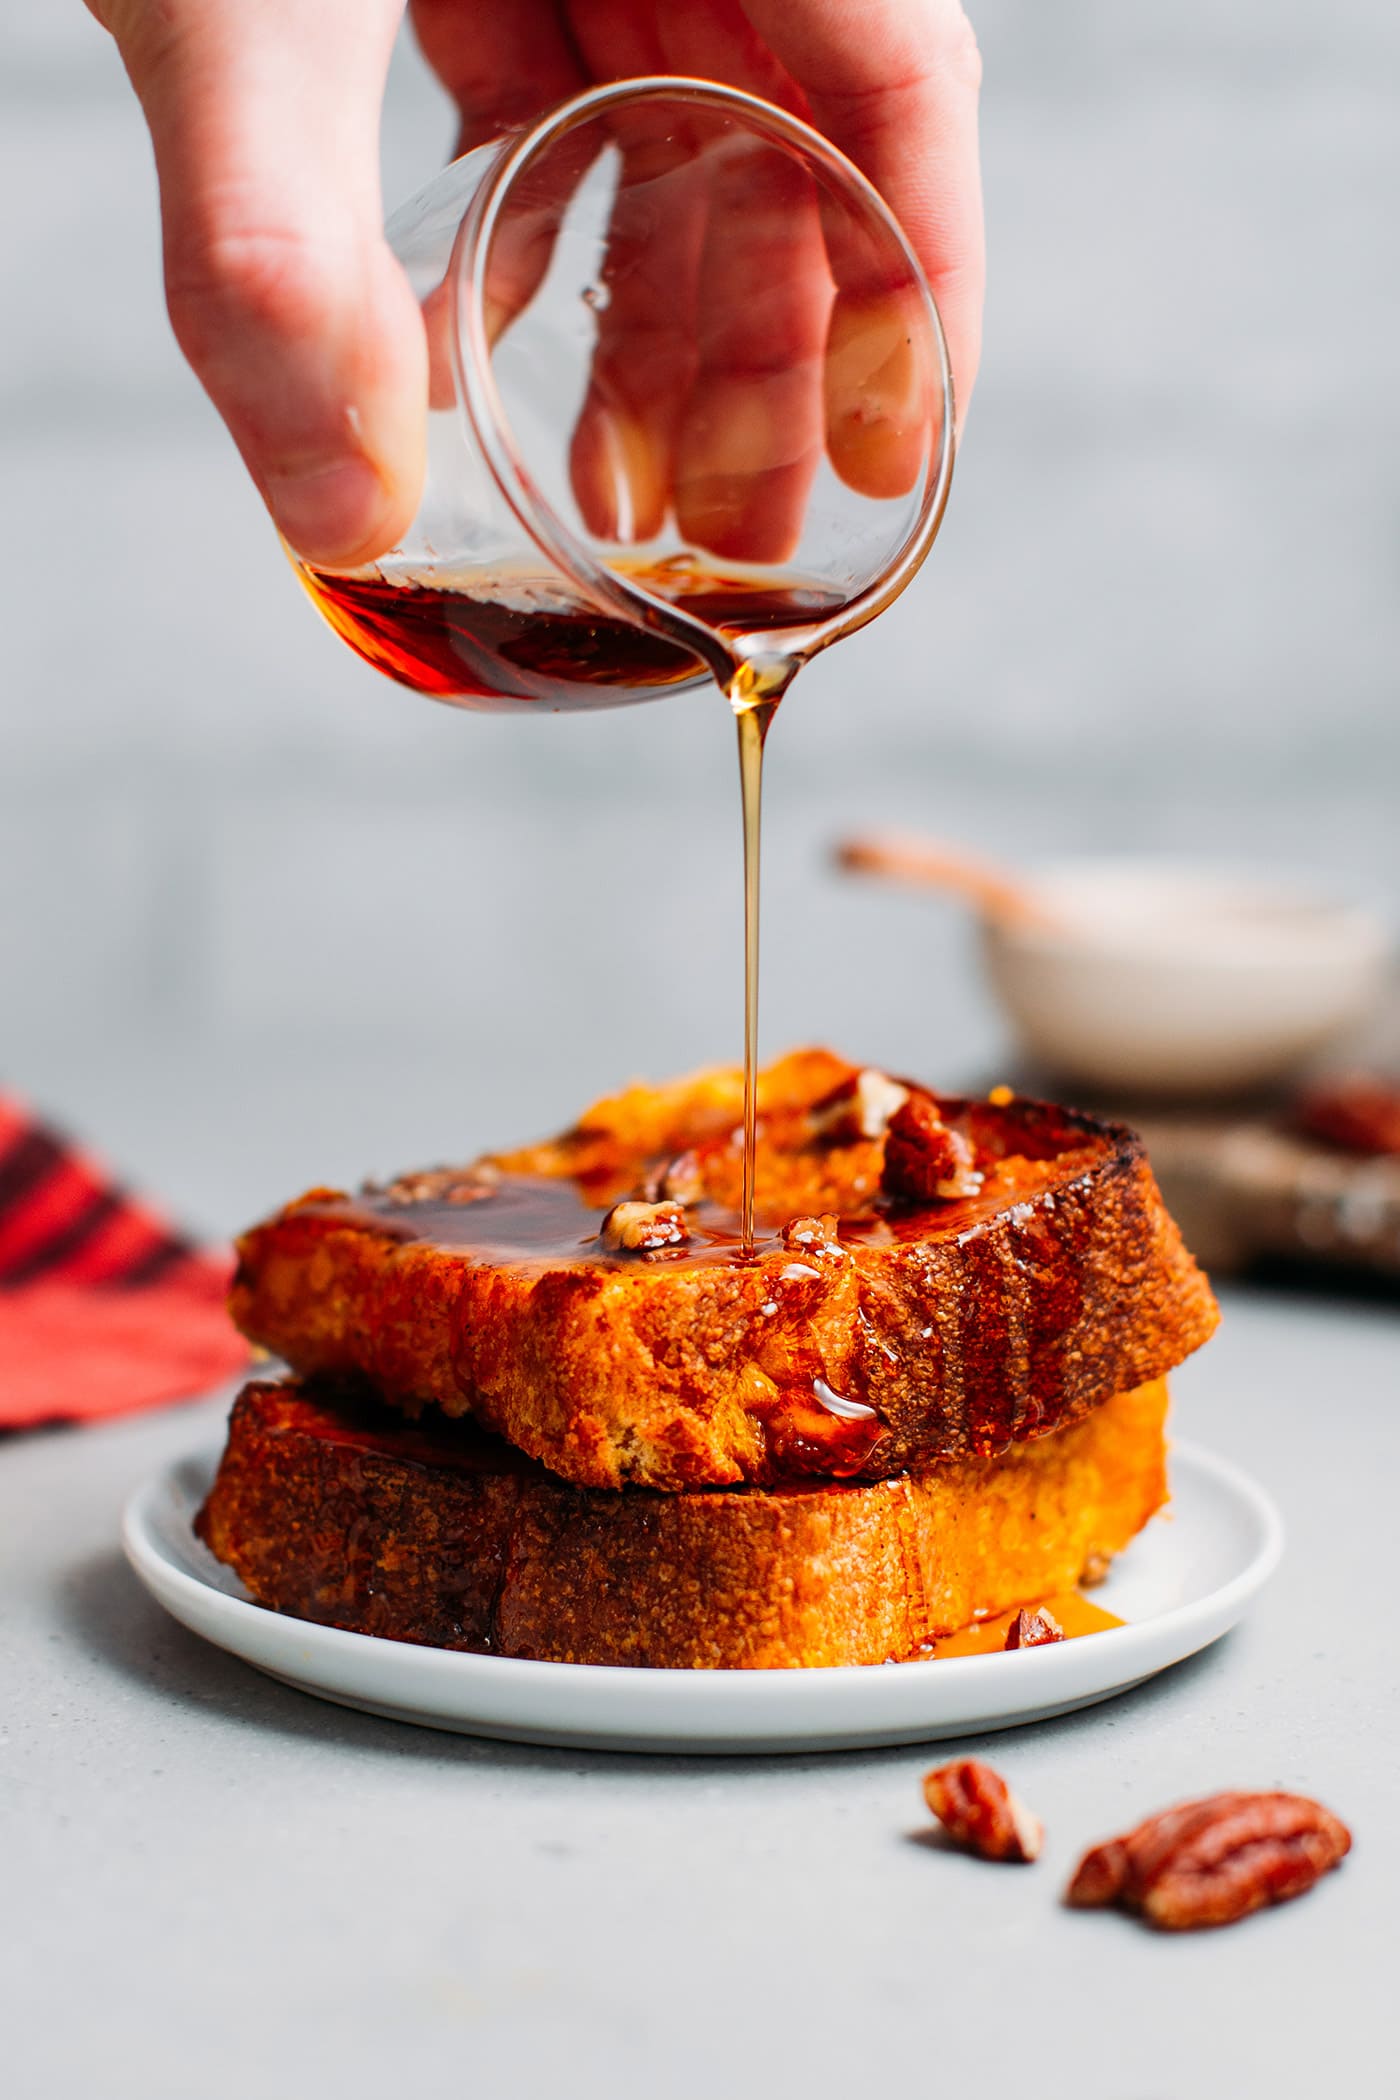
(1157, 978)
(1209, 1009)
(1167, 978)
(268, 920)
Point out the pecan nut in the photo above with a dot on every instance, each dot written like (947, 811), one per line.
(452, 1185)
(1034, 1629)
(858, 1108)
(925, 1160)
(1358, 1114)
(813, 1235)
(681, 1180)
(1210, 1862)
(979, 1811)
(636, 1228)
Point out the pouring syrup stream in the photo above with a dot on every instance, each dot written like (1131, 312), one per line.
(754, 693)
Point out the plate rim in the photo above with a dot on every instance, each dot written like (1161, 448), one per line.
(735, 1691)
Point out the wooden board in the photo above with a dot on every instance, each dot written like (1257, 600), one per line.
(1247, 1190)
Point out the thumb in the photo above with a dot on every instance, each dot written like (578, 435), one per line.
(283, 295)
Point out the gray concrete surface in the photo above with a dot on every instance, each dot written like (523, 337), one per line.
(265, 920)
(216, 1885)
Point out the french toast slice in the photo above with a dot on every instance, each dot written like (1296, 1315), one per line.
(342, 1513)
(934, 1278)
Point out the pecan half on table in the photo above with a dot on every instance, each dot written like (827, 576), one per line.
(979, 1811)
(1210, 1862)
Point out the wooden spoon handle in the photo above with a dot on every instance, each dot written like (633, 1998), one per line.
(928, 864)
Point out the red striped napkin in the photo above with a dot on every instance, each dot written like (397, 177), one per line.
(104, 1306)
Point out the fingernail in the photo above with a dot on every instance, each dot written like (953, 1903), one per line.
(881, 402)
(327, 512)
(619, 471)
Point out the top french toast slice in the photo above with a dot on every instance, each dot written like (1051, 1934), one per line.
(932, 1278)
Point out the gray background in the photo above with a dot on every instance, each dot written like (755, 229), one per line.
(266, 919)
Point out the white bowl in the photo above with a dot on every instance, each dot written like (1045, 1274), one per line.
(1179, 980)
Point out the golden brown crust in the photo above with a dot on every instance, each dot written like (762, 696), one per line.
(341, 1514)
(914, 1336)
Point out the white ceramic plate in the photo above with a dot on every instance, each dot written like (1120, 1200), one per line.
(1186, 1581)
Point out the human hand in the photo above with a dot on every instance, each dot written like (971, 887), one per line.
(295, 315)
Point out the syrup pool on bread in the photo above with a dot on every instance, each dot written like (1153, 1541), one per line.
(820, 1187)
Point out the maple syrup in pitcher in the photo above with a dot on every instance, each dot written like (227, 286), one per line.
(492, 640)
(497, 641)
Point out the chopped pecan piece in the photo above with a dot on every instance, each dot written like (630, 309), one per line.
(439, 1185)
(1210, 1862)
(636, 1228)
(681, 1180)
(1034, 1629)
(860, 1109)
(813, 1235)
(979, 1811)
(1095, 1570)
(925, 1160)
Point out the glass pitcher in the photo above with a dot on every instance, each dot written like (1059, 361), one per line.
(689, 407)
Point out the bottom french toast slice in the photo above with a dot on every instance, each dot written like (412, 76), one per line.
(338, 1512)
